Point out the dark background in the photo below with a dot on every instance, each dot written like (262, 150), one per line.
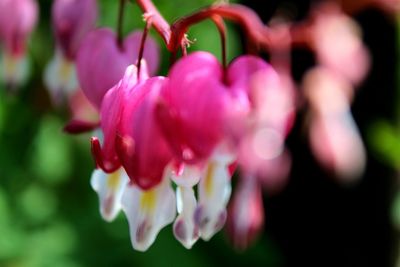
(316, 221)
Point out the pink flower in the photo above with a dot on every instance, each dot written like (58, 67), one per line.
(260, 130)
(191, 111)
(141, 147)
(338, 43)
(110, 115)
(72, 20)
(246, 212)
(17, 20)
(334, 136)
(101, 62)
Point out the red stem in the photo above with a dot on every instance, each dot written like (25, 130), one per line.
(158, 22)
(120, 22)
(244, 16)
(258, 34)
(142, 43)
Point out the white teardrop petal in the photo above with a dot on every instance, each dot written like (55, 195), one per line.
(109, 187)
(148, 212)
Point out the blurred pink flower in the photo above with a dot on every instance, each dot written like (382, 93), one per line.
(338, 44)
(334, 136)
(17, 20)
(72, 20)
(101, 61)
(245, 213)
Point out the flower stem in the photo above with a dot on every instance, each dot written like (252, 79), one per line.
(219, 22)
(158, 22)
(120, 22)
(142, 43)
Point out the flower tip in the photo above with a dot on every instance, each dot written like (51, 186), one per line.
(108, 166)
(183, 234)
(78, 126)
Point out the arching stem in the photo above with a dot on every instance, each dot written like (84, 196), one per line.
(219, 22)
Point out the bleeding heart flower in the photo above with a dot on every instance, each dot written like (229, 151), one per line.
(338, 43)
(246, 213)
(111, 112)
(17, 20)
(334, 136)
(191, 110)
(72, 20)
(141, 147)
(101, 61)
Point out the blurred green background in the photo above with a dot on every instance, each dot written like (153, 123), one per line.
(49, 215)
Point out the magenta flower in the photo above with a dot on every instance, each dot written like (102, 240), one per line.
(17, 20)
(101, 62)
(210, 118)
(110, 115)
(141, 147)
(191, 111)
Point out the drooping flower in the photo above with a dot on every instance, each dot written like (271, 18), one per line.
(338, 44)
(334, 137)
(192, 106)
(101, 61)
(246, 212)
(182, 128)
(71, 21)
(17, 20)
(259, 129)
(110, 116)
(207, 115)
(259, 138)
(141, 146)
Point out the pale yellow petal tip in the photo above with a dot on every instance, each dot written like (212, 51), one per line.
(14, 69)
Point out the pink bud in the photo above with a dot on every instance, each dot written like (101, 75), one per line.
(72, 20)
(101, 62)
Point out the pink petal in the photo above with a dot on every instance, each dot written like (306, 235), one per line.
(101, 63)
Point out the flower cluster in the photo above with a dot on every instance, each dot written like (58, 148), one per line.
(166, 148)
(190, 127)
